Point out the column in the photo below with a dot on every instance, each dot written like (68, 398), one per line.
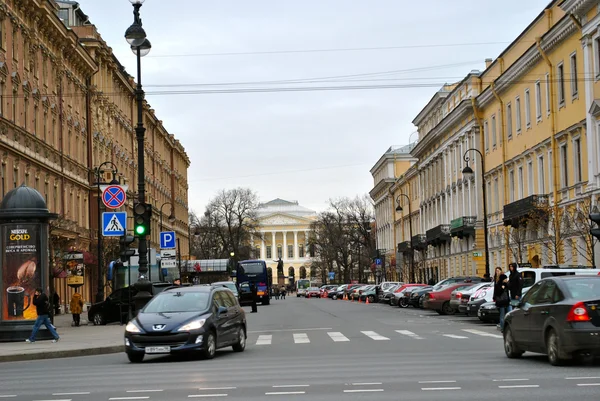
(307, 236)
(263, 248)
(591, 134)
(284, 246)
(273, 246)
(295, 244)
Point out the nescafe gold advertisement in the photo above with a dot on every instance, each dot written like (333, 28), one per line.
(21, 273)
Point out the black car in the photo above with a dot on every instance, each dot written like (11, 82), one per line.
(187, 319)
(228, 284)
(245, 294)
(559, 316)
(417, 295)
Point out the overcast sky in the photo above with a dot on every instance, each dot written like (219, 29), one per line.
(310, 145)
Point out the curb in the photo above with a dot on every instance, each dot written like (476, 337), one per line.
(70, 353)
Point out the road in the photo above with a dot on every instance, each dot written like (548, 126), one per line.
(319, 349)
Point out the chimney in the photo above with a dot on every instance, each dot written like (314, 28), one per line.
(488, 62)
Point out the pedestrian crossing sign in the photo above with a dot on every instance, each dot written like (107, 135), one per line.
(114, 224)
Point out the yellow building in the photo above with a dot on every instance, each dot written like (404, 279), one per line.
(285, 228)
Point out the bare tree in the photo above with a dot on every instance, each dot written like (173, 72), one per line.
(555, 225)
(517, 235)
(581, 226)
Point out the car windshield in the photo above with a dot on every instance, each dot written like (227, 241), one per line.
(231, 286)
(313, 289)
(584, 288)
(252, 268)
(171, 302)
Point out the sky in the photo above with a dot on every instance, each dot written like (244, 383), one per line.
(229, 72)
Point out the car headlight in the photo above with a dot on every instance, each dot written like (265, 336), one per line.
(132, 328)
(193, 325)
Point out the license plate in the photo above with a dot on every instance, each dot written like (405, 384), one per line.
(468, 308)
(158, 350)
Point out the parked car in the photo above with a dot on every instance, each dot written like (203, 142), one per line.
(325, 289)
(460, 298)
(481, 296)
(184, 319)
(313, 292)
(338, 292)
(228, 284)
(417, 295)
(488, 313)
(357, 291)
(559, 316)
(400, 291)
(388, 294)
(439, 300)
(404, 294)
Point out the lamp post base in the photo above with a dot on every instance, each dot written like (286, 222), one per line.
(144, 294)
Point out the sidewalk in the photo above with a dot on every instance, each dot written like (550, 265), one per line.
(74, 341)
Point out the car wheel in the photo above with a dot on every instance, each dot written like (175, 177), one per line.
(553, 348)
(510, 346)
(240, 345)
(334, 297)
(135, 357)
(447, 309)
(371, 299)
(210, 346)
(403, 303)
(98, 319)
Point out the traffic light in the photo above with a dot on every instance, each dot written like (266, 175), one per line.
(595, 217)
(126, 252)
(142, 217)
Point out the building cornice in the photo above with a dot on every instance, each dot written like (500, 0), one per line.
(381, 185)
(439, 97)
(578, 7)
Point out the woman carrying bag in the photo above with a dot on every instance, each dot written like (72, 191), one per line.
(501, 295)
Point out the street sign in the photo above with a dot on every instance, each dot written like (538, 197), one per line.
(113, 196)
(167, 263)
(331, 275)
(378, 261)
(114, 224)
(167, 253)
(167, 239)
(477, 254)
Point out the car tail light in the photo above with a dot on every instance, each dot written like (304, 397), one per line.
(578, 313)
(458, 295)
(431, 296)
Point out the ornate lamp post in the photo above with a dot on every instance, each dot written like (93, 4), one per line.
(171, 217)
(468, 173)
(98, 173)
(412, 251)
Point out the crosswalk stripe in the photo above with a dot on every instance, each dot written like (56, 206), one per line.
(264, 339)
(374, 335)
(337, 336)
(301, 338)
(454, 336)
(482, 333)
(410, 334)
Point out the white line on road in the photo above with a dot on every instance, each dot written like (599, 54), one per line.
(367, 384)
(439, 388)
(301, 338)
(285, 393)
(521, 386)
(337, 336)
(291, 385)
(510, 380)
(264, 339)
(206, 395)
(364, 390)
(217, 388)
(410, 334)
(374, 335)
(8, 395)
(280, 330)
(77, 393)
(455, 336)
(127, 398)
(588, 384)
(437, 381)
(144, 391)
(482, 333)
(583, 378)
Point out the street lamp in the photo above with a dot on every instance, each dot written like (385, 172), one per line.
(98, 172)
(231, 255)
(171, 217)
(412, 251)
(468, 173)
(136, 37)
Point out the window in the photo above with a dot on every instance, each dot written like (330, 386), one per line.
(521, 183)
(529, 178)
(486, 134)
(496, 194)
(290, 251)
(3, 179)
(577, 157)
(35, 119)
(1, 33)
(14, 106)
(548, 94)
(494, 130)
(45, 125)
(269, 252)
(518, 114)
(527, 109)
(301, 251)
(1, 98)
(15, 177)
(538, 101)
(279, 252)
(550, 172)
(508, 121)
(560, 80)
(574, 88)
(511, 185)
(489, 205)
(564, 166)
(14, 44)
(25, 113)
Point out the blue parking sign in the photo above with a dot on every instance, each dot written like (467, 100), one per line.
(378, 262)
(167, 240)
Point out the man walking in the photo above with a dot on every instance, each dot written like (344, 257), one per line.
(254, 297)
(40, 300)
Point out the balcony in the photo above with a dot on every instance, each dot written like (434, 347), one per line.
(438, 235)
(463, 227)
(419, 241)
(517, 213)
(404, 247)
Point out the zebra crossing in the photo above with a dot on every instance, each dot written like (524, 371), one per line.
(337, 336)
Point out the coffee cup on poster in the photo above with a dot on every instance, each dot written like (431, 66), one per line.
(16, 297)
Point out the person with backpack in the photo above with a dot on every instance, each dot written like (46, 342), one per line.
(40, 300)
(501, 295)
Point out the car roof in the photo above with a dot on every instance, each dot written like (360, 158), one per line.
(222, 282)
(194, 288)
(566, 278)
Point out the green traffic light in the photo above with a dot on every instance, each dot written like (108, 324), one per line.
(140, 230)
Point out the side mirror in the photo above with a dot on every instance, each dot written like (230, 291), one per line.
(221, 310)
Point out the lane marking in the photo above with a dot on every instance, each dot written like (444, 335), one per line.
(264, 339)
(482, 333)
(521, 386)
(364, 390)
(301, 338)
(280, 330)
(143, 391)
(410, 334)
(439, 388)
(374, 335)
(55, 400)
(77, 393)
(291, 385)
(437, 381)
(588, 384)
(455, 336)
(206, 395)
(367, 384)
(285, 393)
(583, 378)
(510, 380)
(9, 395)
(337, 336)
(126, 398)
(217, 388)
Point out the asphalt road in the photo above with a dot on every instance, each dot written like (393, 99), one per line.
(319, 349)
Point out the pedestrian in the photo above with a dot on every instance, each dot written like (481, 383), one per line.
(487, 278)
(76, 307)
(276, 292)
(40, 300)
(56, 302)
(177, 282)
(515, 284)
(254, 297)
(283, 291)
(501, 295)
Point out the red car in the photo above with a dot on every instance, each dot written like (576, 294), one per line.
(313, 292)
(440, 300)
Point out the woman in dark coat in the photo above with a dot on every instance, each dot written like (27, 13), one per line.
(501, 296)
(515, 282)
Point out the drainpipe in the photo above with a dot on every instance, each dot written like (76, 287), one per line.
(503, 140)
(482, 144)
(393, 224)
(552, 138)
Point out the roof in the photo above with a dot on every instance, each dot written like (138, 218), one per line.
(283, 206)
(193, 288)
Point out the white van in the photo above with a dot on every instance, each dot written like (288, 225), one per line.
(532, 276)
